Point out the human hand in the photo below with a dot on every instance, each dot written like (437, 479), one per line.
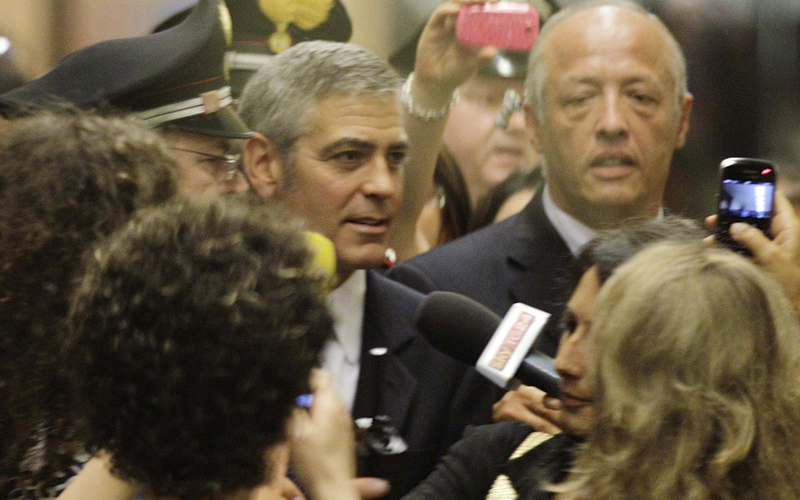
(531, 405)
(442, 64)
(289, 490)
(323, 444)
(780, 257)
(370, 488)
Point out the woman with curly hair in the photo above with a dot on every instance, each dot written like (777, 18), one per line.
(66, 180)
(195, 330)
(694, 361)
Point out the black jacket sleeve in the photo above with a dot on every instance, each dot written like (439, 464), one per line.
(472, 464)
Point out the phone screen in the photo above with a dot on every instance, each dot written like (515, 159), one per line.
(743, 199)
(746, 194)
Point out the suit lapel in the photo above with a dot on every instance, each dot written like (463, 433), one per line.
(537, 255)
(385, 386)
(539, 263)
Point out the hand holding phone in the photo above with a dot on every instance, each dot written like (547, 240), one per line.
(746, 194)
(505, 25)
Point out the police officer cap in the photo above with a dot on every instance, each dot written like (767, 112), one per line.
(176, 78)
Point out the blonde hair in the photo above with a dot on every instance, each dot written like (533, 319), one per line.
(695, 361)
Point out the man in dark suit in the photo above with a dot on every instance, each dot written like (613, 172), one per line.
(606, 109)
(330, 147)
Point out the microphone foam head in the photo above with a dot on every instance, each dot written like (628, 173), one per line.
(456, 325)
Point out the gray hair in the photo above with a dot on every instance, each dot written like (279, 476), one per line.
(279, 97)
(537, 72)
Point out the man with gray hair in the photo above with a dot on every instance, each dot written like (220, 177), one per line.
(606, 107)
(331, 147)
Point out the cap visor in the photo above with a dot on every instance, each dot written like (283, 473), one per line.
(222, 123)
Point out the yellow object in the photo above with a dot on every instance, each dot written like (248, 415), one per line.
(305, 14)
(227, 24)
(324, 257)
(227, 29)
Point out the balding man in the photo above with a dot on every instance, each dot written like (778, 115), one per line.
(606, 107)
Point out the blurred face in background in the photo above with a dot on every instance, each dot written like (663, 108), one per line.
(207, 165)
(486, 154)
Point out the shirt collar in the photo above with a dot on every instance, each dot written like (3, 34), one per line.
(575, 233)
(346, 305)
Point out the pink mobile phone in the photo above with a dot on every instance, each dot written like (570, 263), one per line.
(505, 25)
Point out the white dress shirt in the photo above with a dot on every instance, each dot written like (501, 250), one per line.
(342, 355)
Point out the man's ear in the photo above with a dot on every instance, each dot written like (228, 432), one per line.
(263, 165)
(683, 124)
(532, 127)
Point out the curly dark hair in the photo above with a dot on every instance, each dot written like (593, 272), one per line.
(196, 328)
(66, 180)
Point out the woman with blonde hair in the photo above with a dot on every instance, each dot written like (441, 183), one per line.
(694, 360)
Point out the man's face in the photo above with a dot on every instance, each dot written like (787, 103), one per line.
(577, 400)
(486, 154)
(610, 120)
(346, 179)
(202, 172)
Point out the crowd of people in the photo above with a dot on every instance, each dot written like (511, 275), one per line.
(210, 293)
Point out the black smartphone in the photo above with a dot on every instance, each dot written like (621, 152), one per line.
(746, 194)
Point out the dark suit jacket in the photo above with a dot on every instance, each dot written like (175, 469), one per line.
(429, 396)
(521, 259)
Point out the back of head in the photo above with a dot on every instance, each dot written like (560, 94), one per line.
(66, 180)
(196, 328)
(279, 97)
(611, 248)
(695, 366)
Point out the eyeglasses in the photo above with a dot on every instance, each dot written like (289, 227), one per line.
(225, 167)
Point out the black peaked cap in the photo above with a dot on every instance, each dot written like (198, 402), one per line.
(175, 78)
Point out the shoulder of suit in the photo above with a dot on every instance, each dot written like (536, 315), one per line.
(378, 283)
(481, 244)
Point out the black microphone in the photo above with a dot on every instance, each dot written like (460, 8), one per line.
(498, 347)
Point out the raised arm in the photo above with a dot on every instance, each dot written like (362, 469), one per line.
(441, 66)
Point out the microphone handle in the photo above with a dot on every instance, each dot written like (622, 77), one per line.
(537, 370)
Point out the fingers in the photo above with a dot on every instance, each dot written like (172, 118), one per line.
(371, 487)
(487, 53)
(711, 222)
(322, 442)
(326, 418)
(552, 403)
(531, 405)
(290, 491)
(753, 239)
(785, 225)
